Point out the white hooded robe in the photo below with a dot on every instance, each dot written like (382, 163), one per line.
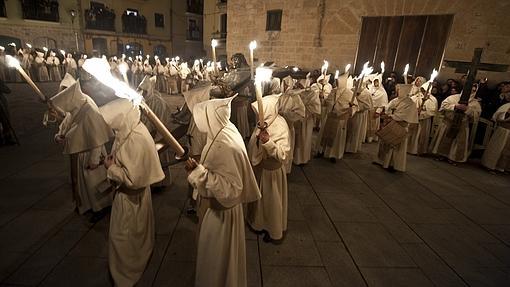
(497, 154)
(419, 134)
(304, 128)
(224, 180)
(270, 212)
(136, 167)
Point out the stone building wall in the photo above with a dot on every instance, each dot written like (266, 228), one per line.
(477, 23)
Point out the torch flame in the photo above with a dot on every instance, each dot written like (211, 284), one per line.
(214, 43)
(12, 44)
(433, 75)
(2, 48)
(325, 66)
(382, 67)
(12, 62)
(100, 69)
(337, 74)
(406, 69)
(123, 68)
(295, 69)
(45, 49)
(263, 74)
(63, 52)
(28, 45)
(177, 58)
(347, 68)
(253, 45)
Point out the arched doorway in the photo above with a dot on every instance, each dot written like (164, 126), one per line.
(160, 51)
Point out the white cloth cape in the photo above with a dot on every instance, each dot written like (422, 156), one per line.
(493, 157)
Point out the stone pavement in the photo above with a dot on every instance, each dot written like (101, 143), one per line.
(350, 224)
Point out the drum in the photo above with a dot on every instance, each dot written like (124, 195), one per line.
(393, 133)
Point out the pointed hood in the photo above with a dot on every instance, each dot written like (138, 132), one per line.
(342, 81)
(121, 116)
(270, 105)
(403, 90)
(70, 99)
(67, 81)
(212, 115)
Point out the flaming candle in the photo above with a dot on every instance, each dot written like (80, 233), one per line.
(347, 68)
(366, 71)
(45, 51)
(337, 74)
(63, 53)
(382, 67)
(253, 46)
(123, 68)
(14, 63)
(214, 43)
(324, 68)
(262, 75)
(406, 69)
(100, 69)
(28, 45)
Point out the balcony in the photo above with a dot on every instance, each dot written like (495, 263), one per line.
(100, 19)
(40, 10)
(134, 24)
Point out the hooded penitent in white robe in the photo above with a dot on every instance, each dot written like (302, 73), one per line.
(85, 133)
(40, 67)
(357, 124)
(159, 71)
(197, 138)
(497, 154)
(136, 167)
(333, 132)
(173, 77)
(224, 180)
(455, 149)
(402, 110)
(380, 100)
(270, 212)
(70, 65)
(419, 134)
(161, 109)
(304, 128)
(53, 64)
(324, 88)
(291, 107)
(184, 71)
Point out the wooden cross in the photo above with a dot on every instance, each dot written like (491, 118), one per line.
(466, 94)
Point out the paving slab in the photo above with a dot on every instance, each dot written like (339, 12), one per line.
(79, 271)
(339, 264)
(295, 276)
(395, 277)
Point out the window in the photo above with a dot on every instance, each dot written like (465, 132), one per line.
(99, 17)
(40, 10)
(2, 9)
(160, 51)
(133, 49)
(132, 12)
(399, 40)
(99, 46)
(223, 27)
(274, 20)
(194, 32)
(195, 6)
(159, 20)
(134, 22)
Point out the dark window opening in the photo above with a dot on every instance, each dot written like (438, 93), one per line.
(274, 20)
(223, 25)
(194, 31)
(2, 9)
(99, 17)
(40, 10)
(99, 46)
(159, 20)
(195, 6)
(134, 22)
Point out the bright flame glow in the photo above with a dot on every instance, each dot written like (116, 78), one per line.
(337, 73)
(214, 43)
(12, 44)
(177, 58)
(45, 49)
(123, 68)
(12, 62)
(63, 52)
(28, 45)
(2, 48)
(147, 56)
(406, 69)
(382, 67)
(263, 74)
(218, 65)
(131, 59)
(100, 69)
(433, 75)
(366, 70)
(325, 66)
(347, 68)
(253, 45)
(156, 57)
(295, 69)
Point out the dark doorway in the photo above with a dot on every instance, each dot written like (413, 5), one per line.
(417, 40)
